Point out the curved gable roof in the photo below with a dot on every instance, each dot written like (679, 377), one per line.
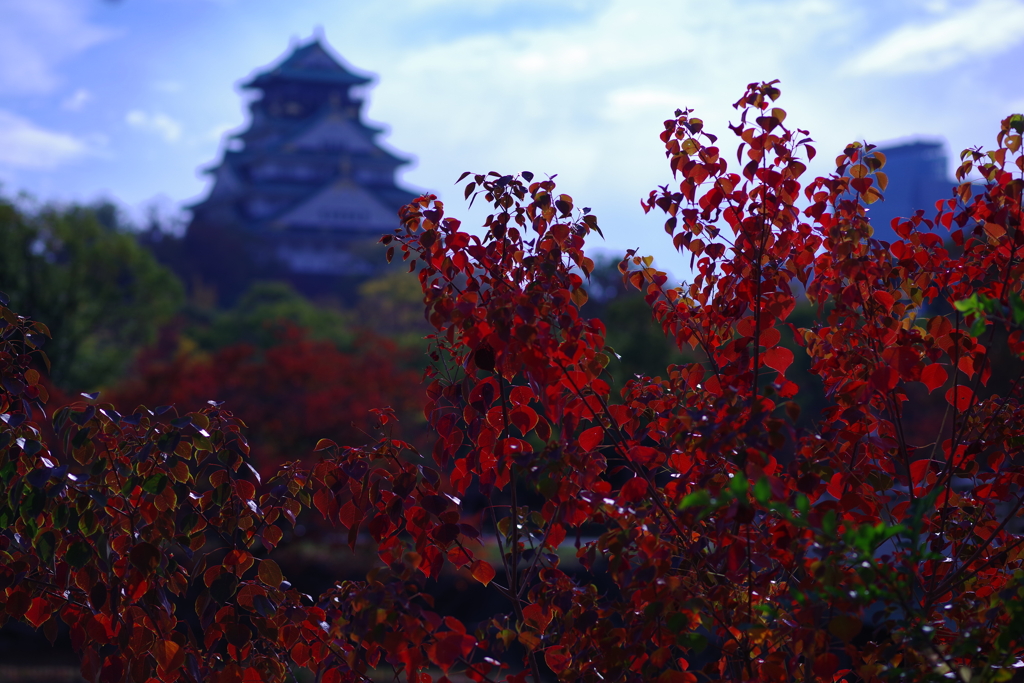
(340, 207)
(310, 63)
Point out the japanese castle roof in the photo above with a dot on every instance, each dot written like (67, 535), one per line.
(353, 137)
(311, 63)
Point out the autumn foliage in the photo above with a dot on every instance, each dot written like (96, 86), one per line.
(685, 530)
(289, 395)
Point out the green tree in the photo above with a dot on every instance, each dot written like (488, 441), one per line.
(259, 314)
(84, 276)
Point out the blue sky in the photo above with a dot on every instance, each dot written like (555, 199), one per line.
(129, 99)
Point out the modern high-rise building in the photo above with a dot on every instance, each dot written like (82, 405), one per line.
(305, 190)
(918, 177)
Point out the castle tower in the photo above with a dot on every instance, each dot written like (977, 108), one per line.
(303, 191)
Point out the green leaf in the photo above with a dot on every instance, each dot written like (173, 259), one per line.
(829, 524)
(61, 516)
(967, 306)
(739, 485)
(694, 642)
(978, 326)
(696, 499)
(1017, 308)
(128, 486)
(44, 545)
(802, 503)
(677, 622)
(78, 554)
(762, 491)
(504, 524)
(155, 484)
(32, 504)
(87, 523)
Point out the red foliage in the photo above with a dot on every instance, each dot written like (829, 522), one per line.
(717, 540)
(289, 395)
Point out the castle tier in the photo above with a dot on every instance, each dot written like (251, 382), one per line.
(303, 191)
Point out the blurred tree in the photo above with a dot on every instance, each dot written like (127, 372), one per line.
(290, 392)
(392, 305)
(78, 270)
(258, 315)
(636, 337)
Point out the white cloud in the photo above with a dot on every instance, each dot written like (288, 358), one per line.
(545, 96)
(985, 28)
(76, 100)
(35, 36)
(587, 99)
(628, 104)
(161, 124)
(23, 144)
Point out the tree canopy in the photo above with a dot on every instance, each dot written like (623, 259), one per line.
(78, 271)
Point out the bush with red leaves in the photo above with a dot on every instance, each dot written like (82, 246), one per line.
(289, 395)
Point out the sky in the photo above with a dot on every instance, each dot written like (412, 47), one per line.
(129, 100)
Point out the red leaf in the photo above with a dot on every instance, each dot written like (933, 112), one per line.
(458, 556)
(590, 438)
(778, 358)
(885, 299)
(349, 515)
(960, 397)
(633, 490)
(482, 571)
(524, 418)
(918, 469)
(270, 573)
(543, 429)
(251, 675)
(835, 486)
(537, 616)
(145, 557)
(38, 612)
(557, 659)
(322, 499)
(770, 337)
(300, 653)
(825, 665)
(788, 389)
(645, 455)
(934, 376)
(245, 489)
(238, 561)
(17, 604)
(449, 647)
(169, 655)
(556, 534)
(884, 378)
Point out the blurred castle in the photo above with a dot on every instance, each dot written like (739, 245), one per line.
(304, 193)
